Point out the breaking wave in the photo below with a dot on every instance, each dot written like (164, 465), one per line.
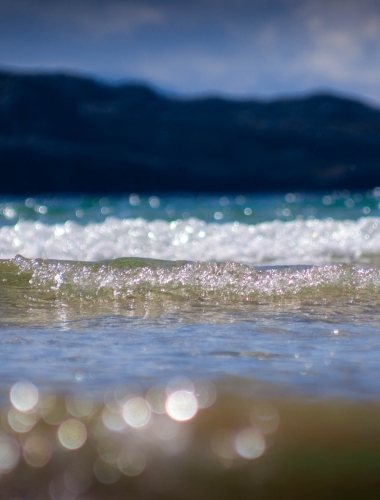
(136, 278)
(314, 242)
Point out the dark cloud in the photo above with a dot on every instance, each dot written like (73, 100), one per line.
(236, 46)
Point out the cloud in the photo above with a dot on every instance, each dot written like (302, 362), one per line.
(341, 46)
(232, 46)
(95, 17)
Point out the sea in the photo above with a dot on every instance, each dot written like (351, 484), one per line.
(173, 346)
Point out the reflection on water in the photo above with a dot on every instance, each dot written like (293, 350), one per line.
(53, 292)
(141, 378)
(182, 441)
(250, 208)
(68, 324)
(314, 358)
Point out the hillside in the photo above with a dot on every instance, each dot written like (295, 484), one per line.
(61, 133)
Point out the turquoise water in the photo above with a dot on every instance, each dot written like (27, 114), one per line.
(251, 209)
(279, 288)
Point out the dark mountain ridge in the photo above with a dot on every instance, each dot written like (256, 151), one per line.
(61, 133)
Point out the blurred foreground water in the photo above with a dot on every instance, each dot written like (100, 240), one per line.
(168, 347)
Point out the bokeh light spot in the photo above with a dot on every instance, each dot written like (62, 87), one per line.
(134, 200)
(53, 411)
(9, 453)
(24, 396)
(250, 443)
(181, 405)
(72, 434)
(136, 412)
(37, 451)
(21, 422)
(113, 420)
(79, 407)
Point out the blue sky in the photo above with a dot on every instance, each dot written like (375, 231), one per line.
(241, 48)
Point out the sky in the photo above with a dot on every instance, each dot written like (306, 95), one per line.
(239, 48)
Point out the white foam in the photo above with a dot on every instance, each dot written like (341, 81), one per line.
(276, 242)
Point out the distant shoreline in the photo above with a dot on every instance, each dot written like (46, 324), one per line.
(70, 135)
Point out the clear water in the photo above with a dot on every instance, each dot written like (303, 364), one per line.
(282, 289)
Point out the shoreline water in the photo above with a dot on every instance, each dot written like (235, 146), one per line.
(140, 447)
(279, 364)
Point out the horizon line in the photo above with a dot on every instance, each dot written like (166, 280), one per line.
(185, 95)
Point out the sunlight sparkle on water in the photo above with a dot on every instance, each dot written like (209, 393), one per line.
(181, 405)
(37, 451)
(136, 412)
(9, 453)
(24, 396)
(21, 422)
(250, 443)
(72, 434)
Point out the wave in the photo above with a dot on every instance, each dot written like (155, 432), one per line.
(50, 293)
(135, 277)
(296, 242)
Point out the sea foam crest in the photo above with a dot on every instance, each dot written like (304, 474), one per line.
(295, 242)
(154, 279)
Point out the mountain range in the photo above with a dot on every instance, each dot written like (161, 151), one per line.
(61, 133)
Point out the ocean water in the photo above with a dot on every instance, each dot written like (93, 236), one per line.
(161, 305)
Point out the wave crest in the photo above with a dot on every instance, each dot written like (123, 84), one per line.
(315, 242)
(136, 277)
